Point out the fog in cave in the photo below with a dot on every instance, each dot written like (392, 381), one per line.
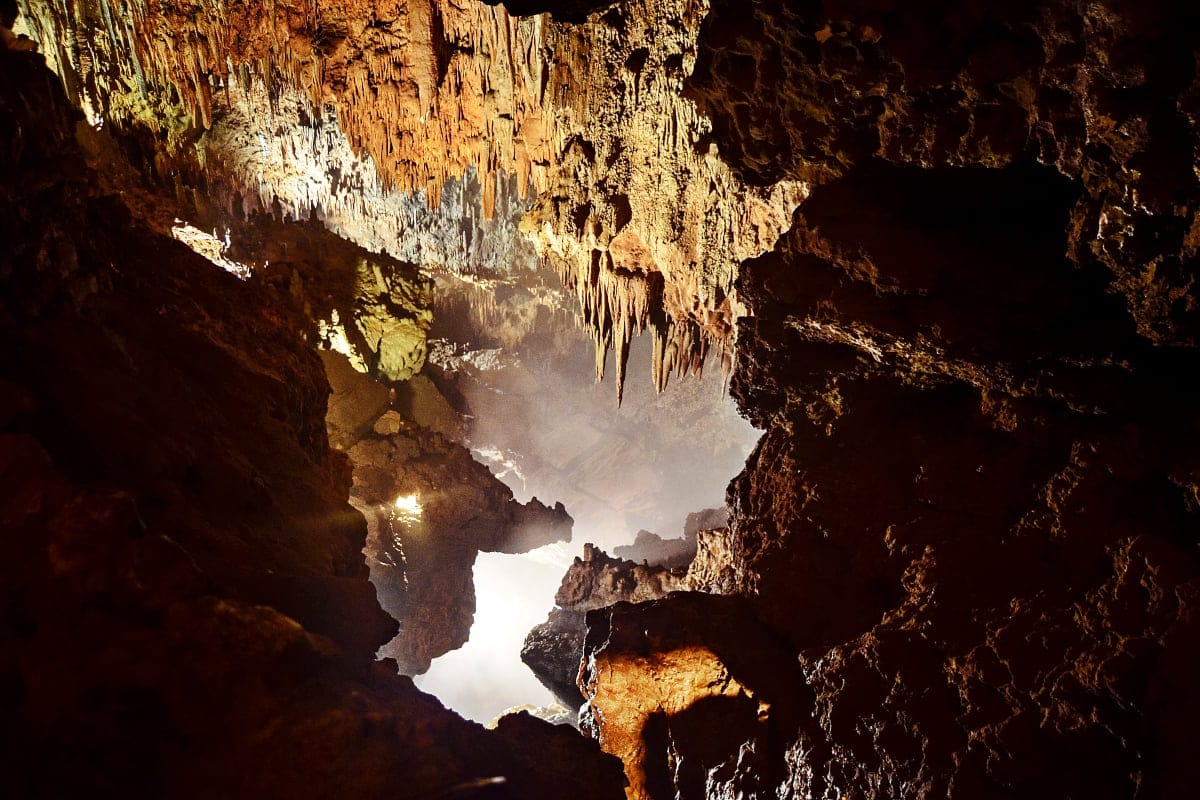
(547, 428)
(486, 677)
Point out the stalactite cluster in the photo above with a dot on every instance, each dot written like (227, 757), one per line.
(345, 111)
(426, 90)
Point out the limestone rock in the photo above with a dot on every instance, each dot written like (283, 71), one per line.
(361, 114)
(186, 609)
(977, 440)
(430, 508)
(673, 553)
(652, 549)
(554, 649)
(692, 693)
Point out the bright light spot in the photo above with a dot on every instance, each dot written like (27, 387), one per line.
(486, 676)
(408, 507)
(333, 334)
(209, 246)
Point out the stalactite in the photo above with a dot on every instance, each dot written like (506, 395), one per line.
(421, 104)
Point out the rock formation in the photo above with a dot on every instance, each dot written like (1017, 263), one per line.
(695, 695)
(554, 649)
(651, 548)
(973, 513)
(363, 114)
(186, 609)
(956, 244)
(430, 509)
(642, 219)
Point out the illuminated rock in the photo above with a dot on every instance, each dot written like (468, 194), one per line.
(430, 508)
(554, 649)
(363, 114)
(692, 693)
(186, 611)
(972, 518)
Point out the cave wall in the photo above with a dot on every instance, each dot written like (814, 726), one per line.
(186, 610)
(972, 520)
(974, 512)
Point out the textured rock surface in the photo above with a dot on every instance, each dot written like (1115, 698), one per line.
(642, 219)
(554, 649)
(430, 510)
(186, 611)
(693, 693)
(983, 488)
(426, 89)
(325, 111)
(973, 513)
(972, 521)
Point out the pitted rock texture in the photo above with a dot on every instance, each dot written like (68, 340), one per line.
(1104, 92)
(186, 611)
(554, 649)
(984, 483)
(973, 514)
(693, 693)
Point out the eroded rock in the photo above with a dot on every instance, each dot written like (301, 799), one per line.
(554, 649)
(186, 611)
(694, 695)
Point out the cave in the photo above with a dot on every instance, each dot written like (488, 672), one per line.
(557, 398)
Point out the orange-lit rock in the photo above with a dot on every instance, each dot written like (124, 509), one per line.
(426, 89)
(554, 649)
(643, 220)
(691, 692)
(408, 96)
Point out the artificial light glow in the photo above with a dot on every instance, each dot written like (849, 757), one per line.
(408, 507)
(486, 677)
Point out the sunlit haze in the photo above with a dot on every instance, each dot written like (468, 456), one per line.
(486, 677)
(548, 432)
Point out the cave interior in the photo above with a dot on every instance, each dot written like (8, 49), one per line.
(823, 365)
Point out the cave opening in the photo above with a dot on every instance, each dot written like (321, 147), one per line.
(629, 475)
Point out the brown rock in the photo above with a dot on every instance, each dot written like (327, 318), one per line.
(554, 649)
(186, 612)
(692, 693)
